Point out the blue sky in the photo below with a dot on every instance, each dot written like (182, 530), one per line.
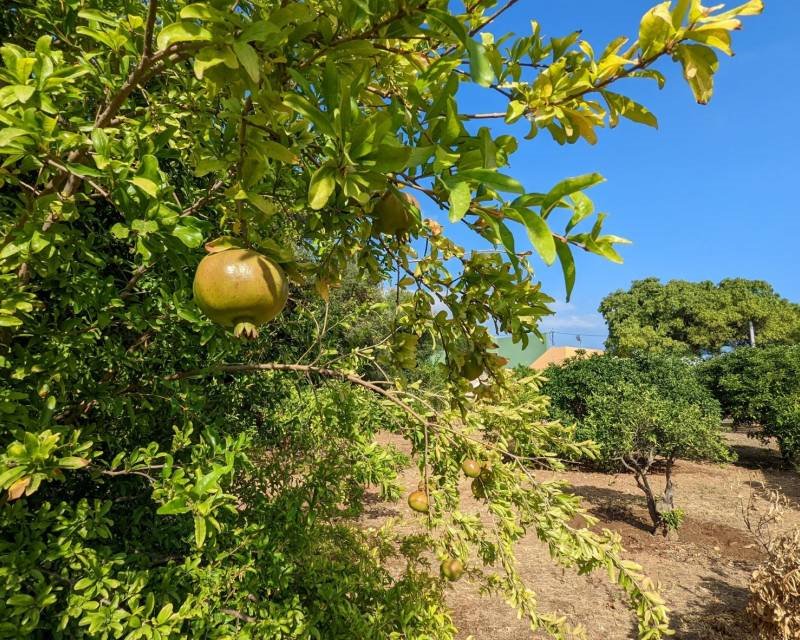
(708, 195)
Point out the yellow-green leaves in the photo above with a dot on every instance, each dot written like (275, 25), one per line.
(568, 187)
(539, 233)
(460, 199)
(699, 66)
(322, 185)
(656, 30)
(182, 32)
(249, 59)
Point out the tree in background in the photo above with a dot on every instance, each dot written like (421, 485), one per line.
(697, 317)
(760, 387)
(163, 479)
(645, 414)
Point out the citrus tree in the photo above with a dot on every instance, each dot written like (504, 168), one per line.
(164, 478)
(760, 387)
(644, 414)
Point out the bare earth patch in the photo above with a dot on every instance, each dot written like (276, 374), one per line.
(703, 574)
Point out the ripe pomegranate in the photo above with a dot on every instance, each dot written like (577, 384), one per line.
(471, 468)
(240, 288)
(452, 569)
(418, 501)
(392, 214)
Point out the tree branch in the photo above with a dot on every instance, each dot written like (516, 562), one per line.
(147, 49)
(300, 368)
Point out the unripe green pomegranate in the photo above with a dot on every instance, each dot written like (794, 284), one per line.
(471, 468)
(452, 569)
(393, 214)
(472, 369)
(418, 501)
(478, 489)
(240, 288)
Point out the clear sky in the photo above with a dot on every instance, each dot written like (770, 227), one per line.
(709, 195)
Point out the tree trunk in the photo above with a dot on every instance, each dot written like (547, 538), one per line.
(652, 507)
(669, 487)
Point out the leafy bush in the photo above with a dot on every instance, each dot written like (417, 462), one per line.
(760, 387)
(162, 479)
(640, 411)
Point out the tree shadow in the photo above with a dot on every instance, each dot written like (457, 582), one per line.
(757, 456)
(611, 505)
(719, 613)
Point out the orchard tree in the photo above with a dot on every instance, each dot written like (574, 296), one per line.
(760, 387)
(166, 478)
(697, 317)
(644, 414)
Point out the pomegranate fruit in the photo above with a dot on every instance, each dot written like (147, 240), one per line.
(471, 468)
(418, 501)
(392, 214)
(478, 490)
(472, 369)
(240, 288)
(452, 569)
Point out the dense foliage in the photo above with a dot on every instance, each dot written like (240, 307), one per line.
(697, 317)
(642, 412)
(165, 480)
(760, 387)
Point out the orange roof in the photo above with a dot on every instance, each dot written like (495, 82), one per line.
(557, 355)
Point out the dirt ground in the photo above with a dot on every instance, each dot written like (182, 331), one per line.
(703, 574)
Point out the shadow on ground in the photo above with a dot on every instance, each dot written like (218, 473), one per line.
(718, 615)
(611, 505)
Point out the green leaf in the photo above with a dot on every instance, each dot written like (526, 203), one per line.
(73, 462)
(699, 66)
(515, 111)
(146, 185)
(568, 187)
(93, 15)
(189, 236)
(539, 233)
(567, 266)
(460, 198)
(249, 59)
(479, 65)
(620, 105)
(321, 187)
(491, 179)
(119, 231)
(656, 29)
(182, 32)
(7, 134)
(199, 530)
(277, 151)
(202, 11)
(173, 507)
(15, 93)
(302, 106)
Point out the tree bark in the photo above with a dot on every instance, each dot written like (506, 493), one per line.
(669, 487)
(652, 507)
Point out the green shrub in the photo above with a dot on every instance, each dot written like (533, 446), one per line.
(640, 412)
(760, 387)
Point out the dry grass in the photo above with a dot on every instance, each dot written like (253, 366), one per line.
(703, 573)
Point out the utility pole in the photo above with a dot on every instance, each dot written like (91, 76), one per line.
(752, 335)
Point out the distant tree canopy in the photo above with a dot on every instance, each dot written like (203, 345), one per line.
(697, 317)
